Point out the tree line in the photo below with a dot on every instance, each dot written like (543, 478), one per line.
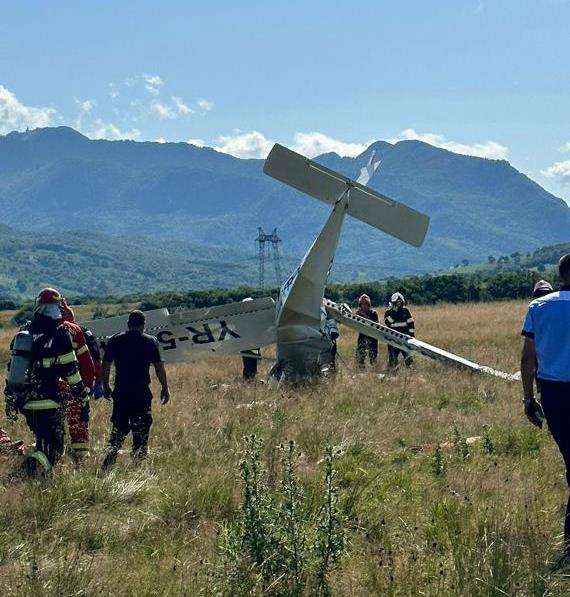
(418, 290)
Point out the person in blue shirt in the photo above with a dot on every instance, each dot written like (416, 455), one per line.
(546, 351)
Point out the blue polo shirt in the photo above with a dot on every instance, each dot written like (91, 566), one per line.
(548, 322)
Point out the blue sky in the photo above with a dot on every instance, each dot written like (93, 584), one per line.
(487, 77)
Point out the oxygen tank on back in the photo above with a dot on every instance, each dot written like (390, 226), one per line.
(21, 361)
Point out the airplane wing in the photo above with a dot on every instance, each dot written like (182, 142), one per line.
(365, 204)
(197, 333)
(407, 343)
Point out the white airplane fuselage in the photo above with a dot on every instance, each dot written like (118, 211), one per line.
(303, 345)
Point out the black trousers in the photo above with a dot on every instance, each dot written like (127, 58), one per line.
(555, 399)
(249, 367)
(131, 414)
(366, 346)
(393, 353)
(47, 426)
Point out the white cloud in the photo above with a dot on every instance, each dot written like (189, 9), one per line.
(161, 140)
(313, 144)
(107, 130)
(85, 107)
(113, 93)
(152, 83)
(171, 111)
(565, 148)
(560, 170)
(254, 144)
(205, 104)
(245, 145)
(163, 111)
(16, 116)
(489, 149)
(180, 106)
(197, 142)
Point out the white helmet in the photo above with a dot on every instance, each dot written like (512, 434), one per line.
(397, 296)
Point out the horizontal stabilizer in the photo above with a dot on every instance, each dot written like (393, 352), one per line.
(408, 343)
(365, 204)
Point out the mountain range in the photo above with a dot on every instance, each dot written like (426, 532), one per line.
(176, 210)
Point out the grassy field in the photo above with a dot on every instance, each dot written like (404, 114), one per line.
(478, 519)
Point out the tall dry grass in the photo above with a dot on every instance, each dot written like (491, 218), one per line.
(419, 520)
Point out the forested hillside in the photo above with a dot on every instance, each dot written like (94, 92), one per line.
(55, 179)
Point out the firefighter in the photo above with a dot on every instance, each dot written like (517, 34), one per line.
(365, 345)
(76, 412)
(89, 358)
(92, 345)
(399, 318)
(49, 360)
(132, 352)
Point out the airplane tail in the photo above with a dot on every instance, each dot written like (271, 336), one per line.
(367, 205)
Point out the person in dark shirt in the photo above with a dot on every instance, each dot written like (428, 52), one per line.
(132, 352)
(399, 318)
(365, 344)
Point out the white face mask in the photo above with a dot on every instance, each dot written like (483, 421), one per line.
(52, 311)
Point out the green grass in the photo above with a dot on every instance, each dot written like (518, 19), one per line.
(416, 520)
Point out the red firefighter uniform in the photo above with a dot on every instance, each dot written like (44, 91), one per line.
(77, 412)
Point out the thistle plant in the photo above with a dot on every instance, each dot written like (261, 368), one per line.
(277, 545)
(331, 541)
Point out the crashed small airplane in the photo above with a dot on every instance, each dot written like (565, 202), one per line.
(297, 322)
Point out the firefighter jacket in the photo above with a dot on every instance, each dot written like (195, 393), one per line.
(54, 361)
(400, 320)
(370, 314)
(81, 348)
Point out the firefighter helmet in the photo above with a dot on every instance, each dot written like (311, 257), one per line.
(397, 297)
(48, 303)
(364, 298)
(48, 296)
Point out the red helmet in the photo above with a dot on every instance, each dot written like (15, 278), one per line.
(48, 296)
(364, 298)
